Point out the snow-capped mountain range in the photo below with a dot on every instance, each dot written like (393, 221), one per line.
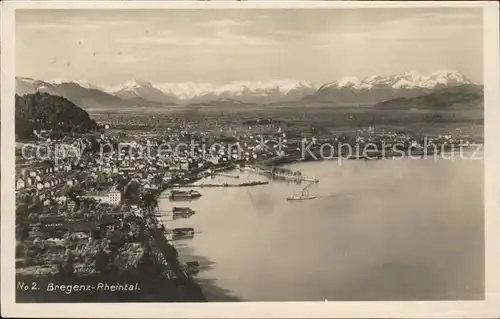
(268, 91)
(141, 89)
(373, 88)
(376, 88)
(408, 80)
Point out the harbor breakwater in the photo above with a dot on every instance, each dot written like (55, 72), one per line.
(185, 281)
(247, 184)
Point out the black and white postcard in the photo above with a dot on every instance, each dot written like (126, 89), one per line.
(250, 159)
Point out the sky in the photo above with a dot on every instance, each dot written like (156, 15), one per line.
(110, 47)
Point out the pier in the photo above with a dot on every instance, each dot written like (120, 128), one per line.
(271, 173)
(226, 175)
(170, 255)
(245, 184)
(164, 214)
(295, 178)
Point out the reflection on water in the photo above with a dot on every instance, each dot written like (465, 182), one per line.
(379, 230)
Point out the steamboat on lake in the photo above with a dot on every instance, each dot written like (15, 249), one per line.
(303, 195)
(183, 195)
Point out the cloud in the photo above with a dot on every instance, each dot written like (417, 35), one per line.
(418, 27)
(120, 59)
(218, 38)
(460, 19)
(224, 23)
(386, 36)
(73, 25)
(389, 39)
(240, 39)
(476, 27)
(450, 16)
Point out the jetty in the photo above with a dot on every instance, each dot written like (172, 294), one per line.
(226, 175)
(280, 173)
(244, 184)
(177, 195)
(170, 255)
(295, 178)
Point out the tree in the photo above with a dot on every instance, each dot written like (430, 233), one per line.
(101, 261)
(145, 264)
(43, 111)
(116, 238)
(28, 257)
(68, 267)
(73, 192)
(119, 263)
(22, 231)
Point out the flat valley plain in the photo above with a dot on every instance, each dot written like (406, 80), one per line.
(319, 121)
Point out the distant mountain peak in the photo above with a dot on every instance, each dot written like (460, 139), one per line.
(138, 83)
(377, 88)
(464, 96)
(82, 83)
(447, 72)
(451, 75)
(348, 81)
(22, 78)
(80, 93)
(370, 89)
(245, 91)
(412, 72)
(409, 79)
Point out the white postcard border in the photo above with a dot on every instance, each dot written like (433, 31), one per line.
(490, 307)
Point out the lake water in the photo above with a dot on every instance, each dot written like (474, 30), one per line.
(378, 230)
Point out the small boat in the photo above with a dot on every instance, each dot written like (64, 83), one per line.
(182, 210)
(304, 195)
(184, 229)
(184, 195)
(185, 232)
(192, 267)
(253, 183)
(300, 197)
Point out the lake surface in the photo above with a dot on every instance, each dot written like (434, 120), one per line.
(378, 230)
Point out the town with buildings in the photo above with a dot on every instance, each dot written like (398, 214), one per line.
(73, 211)
(261, 154)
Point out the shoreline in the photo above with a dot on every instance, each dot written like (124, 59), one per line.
(258, 183)
(185, 251)
(202, 289)
(373, 155)
(210, 226)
